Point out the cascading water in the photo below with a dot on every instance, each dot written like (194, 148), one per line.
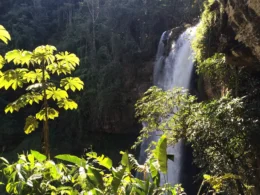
(174, 70)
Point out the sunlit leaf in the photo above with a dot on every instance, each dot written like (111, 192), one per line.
(56, 93)
(72, 83)
(51, 114)
(101, 160)
(19, 57)
(95, 176)
(59, 68)
(67, 104)
(44, 54)
(31, 124)
(12, 78)
(67, 59)
(125, 161)
(160, 153)
(117, 177)
(21, 102)
(72, 159)
(40, 157)
(4, 35)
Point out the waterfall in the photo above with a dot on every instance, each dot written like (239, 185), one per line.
(174, 70)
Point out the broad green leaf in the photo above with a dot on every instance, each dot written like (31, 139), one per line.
(160, 153)
(22, 101)
(67, 104)
(4, 35)
(56, 93)
(154, 172)
(19, 57)
(72, 83)
(13, 78)
(117, 177)
(101, 160)
(51, 114)
(105, 162)
(44, 54)
(33, 97)
(95, 176)
(35, 75)
(125, 161)
(37, 155)
(31, 124)
(16, 105)
(59, 68)
(67, 59)
(31, 159)
(72, 159)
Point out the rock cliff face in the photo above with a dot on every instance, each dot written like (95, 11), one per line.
(244, 17)
(238, 31)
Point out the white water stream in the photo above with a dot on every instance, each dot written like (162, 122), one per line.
(174, 70)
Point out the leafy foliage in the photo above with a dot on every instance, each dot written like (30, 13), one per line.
(35, 174)
(43, 56)
(217, 130)
(4, 35)
(36, 77)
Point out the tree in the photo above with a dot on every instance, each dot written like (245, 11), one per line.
(218, 131)
(35, 71)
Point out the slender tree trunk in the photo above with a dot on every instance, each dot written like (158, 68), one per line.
(45, 130)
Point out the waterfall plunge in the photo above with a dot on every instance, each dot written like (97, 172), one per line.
(175, 70)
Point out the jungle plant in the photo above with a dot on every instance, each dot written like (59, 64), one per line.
(217, 131)
(39, 72)
(34, 174)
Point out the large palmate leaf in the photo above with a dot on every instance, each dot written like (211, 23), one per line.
(31, 124)
(15, 106)
(22, 101)
(51, 114)
(34, 97)
(59, 68)
(35, 75)
(44, 54)
(67, 104)
(4, 35)
(72, 83)
(19, 57)
(12, 78)
(56, 93)
(67, 59)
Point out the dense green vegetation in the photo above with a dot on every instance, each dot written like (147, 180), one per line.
(218, 131)
(113, 41)
(34, 174)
